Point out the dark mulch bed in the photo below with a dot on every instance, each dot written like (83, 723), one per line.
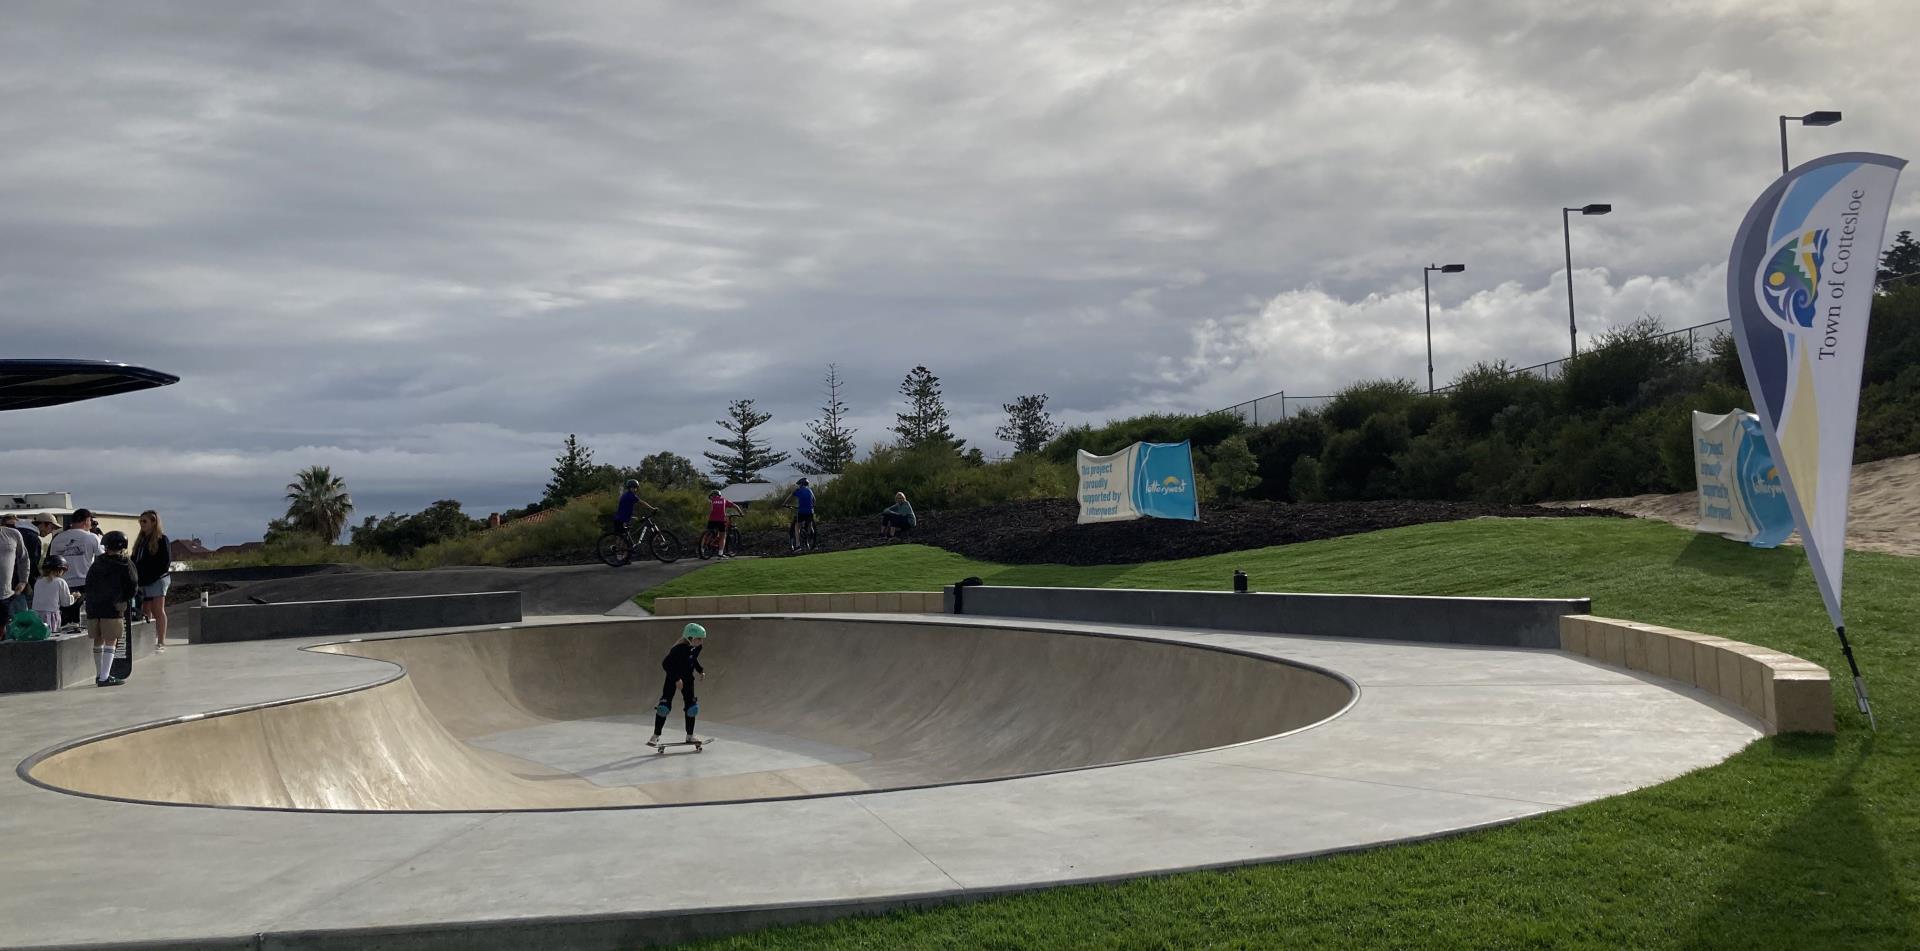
(1046, 531)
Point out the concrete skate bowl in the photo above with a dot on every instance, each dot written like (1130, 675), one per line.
(555, 717)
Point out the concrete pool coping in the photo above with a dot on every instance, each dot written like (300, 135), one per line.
(1441, 739)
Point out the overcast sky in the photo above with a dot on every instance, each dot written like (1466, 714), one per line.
(421, 242)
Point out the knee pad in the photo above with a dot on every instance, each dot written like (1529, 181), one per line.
(693, 709)
(663, 709)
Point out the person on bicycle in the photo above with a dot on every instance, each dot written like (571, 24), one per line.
(623, 515)
(682, 665)
(718, 510)
(802, 513)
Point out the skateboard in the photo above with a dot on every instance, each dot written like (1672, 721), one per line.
(699, 746)
(123, 652)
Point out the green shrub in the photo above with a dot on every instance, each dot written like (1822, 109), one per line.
(1353, 406)
(1204, 431)
(1279, 446)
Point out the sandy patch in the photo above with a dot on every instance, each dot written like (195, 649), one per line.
(1884, 514)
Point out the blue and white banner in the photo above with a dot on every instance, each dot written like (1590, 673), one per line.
(1741, 496)
(1144, 480)
(1800, 284)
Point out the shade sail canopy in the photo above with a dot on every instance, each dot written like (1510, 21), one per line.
(31, 384)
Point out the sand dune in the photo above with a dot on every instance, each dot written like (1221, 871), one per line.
(1884, 515)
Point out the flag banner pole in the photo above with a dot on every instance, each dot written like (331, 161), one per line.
(1800, 288)
(1859, 682)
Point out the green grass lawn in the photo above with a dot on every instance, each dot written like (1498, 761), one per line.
(1797, 842)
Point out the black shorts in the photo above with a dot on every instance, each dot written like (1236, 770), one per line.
(803, 518)
(714, 526)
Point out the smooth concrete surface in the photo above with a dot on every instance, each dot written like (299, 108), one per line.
(1441, 739)
(223, 623)
(841, 602)
(1492, 622)
(922, 702)
(544, 589)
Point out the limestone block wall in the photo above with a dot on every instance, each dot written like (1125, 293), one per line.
(1790, 694)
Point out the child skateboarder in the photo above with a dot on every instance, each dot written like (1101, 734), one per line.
(682, 664)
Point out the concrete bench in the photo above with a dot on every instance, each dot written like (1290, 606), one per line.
(221, 623)
(1790, 694)
(60, 661)
(859, 602)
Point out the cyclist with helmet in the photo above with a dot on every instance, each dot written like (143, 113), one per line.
(719, 510)
(802, 512)
(110, 589)
(682, 665)
(628, 499)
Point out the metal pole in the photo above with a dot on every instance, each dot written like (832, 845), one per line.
(1566, 236)
(1426, 300)
(1859, 682)
(1783, 145)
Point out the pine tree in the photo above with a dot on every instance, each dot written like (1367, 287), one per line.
(1900, 265)
(925, 421)
(829, 442)
(573, 474)
(1028, 424)
(745, 457)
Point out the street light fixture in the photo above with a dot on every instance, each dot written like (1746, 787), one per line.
(1824, 117)
(1426, 296)
(1566, 236)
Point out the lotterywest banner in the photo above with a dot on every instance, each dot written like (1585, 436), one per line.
(1144, 480)
(1800, 284)
(1741, 496)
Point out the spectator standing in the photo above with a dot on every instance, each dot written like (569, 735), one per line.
(15, 569)
(153, 564)
(79, 546)
(50, 594)
(31, 536)
(111, 586)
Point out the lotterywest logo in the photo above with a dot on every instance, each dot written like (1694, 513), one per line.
(1171, 485)
(1803, 279)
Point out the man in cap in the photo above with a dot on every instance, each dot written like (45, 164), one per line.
(79, 546)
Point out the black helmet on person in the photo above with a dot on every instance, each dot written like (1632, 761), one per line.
(633, 483)
(54, 563)
(801, 482)
(114, 541)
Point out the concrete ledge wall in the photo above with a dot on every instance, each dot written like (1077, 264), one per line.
(60, 661)
(251, 622)
(1497, 622)
(1790, 694)
(857, 602)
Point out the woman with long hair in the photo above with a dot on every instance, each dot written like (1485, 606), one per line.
(153, 563)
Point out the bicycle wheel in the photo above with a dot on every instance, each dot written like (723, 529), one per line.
(809, 537)
(665, 546)
(614, 549)
(706, 549)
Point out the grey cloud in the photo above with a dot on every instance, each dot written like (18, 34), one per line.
(424, 241)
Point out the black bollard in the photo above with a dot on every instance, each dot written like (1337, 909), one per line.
(1239, 581)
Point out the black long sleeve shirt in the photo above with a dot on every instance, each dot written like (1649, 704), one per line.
(682, 660)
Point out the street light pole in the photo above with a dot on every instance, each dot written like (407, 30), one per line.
(1426, 298)
(1566, 237)
(1821, 118)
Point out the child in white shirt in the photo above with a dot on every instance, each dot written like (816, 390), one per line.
(52, 594)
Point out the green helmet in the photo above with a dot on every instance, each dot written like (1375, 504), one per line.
(693, 631)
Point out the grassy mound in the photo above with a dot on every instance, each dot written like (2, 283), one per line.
(1797, 842)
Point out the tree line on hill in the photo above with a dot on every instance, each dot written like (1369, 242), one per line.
(1615, 422)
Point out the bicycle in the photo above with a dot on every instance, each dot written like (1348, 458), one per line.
(709, 546)
(616, 547)
(806, 535)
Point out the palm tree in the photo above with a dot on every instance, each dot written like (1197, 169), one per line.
(317, 502)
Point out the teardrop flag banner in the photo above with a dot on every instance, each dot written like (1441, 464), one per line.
(1800, 285)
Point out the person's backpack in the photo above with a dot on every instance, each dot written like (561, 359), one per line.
(27, 626)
